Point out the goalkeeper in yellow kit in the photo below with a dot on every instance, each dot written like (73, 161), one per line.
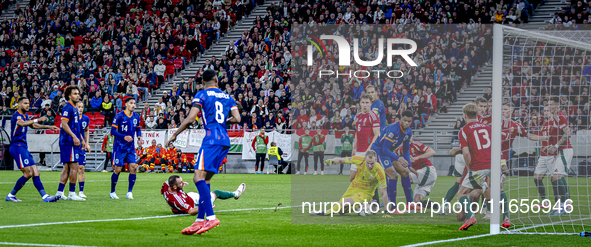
(370, 175)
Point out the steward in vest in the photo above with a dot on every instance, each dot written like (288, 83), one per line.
(305, 148)
(346, 145)
(259, 144)
(276, 151)
(319, 145)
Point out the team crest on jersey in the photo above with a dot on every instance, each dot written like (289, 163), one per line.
(512, 129)
(116, 161)
(364, 120)
(26, 162)
(77, 156)
(184, 196)
(485, 122)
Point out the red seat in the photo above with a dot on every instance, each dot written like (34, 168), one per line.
(169, 70)
(91, 127)
(89, 115)
(179, 63)
(52, 132)
(99, 120)
(78, 40)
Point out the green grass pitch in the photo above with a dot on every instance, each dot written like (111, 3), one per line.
(258, 226)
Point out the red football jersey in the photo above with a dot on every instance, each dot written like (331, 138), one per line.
(484, 119)
(560, 122)
(179, 202)
(364, 124)
(417, 148)
(546, 130)
(511, 129)
(476, 136)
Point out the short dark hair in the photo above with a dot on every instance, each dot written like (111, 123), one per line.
(21, 99)
(172, 180)
(208, 75)
(556, 99)
(69, 90)
(128, 99)
(407, 113)
(480, 100)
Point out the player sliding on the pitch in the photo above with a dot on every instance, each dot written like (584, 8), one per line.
(188, 203)
(125, 126)
(475, 143)
(215, 106)
(369, 176)
(427, 175)
(19, 124)
(390, 139)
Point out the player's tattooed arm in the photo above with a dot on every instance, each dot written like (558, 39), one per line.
(534, 137)
(455, 151)
(565, 135)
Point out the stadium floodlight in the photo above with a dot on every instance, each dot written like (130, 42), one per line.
(534, 69)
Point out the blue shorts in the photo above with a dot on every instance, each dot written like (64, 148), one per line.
(210, 157)
(21, 155)
(122, 157)
(69, 154)
(82, 159)
(385, 161)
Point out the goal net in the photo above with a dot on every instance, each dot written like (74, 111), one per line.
(541, 84)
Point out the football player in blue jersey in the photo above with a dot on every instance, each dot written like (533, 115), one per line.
(19, 124)
(215, 106)
(84, 122)
(126, 125)
(377, 106)
(390, 138)
(71, 143)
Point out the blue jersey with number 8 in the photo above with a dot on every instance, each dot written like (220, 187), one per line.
(215, 108)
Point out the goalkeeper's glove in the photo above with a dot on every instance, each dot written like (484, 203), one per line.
(329, 162)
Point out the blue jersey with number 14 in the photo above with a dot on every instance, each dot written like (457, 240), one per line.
(215, 108)
(126, 126)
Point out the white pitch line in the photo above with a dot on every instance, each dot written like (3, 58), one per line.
(87, 181)
(51, 245)
(547, 224)
(137, 218)
(448, 240)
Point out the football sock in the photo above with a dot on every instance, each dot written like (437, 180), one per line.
(19, 184)
(562, 189)
(451, 193)
(81, 186)
(39, 186)
(223, 194)
(567, 189)
(72, 187)
(61, 187)
(407, 189)
(557, 195)
(131, 182)
(541, 188)
(114, 178)
(205, 199)
(201, 212)
(392, 184)
(465, 202)
(505, 205)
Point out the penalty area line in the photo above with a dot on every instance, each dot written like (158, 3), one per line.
(137, 218)
(448, 240)
(34, 244)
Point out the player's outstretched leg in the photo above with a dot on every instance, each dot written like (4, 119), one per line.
(132, 177)
(11, 197)
(81, 179)
(114, 179)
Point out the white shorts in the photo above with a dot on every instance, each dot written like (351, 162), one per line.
(195, 197)
(545, 165)
(425, 181)
(475, 179)
(459, 165)
(562, 162)
(354, 166)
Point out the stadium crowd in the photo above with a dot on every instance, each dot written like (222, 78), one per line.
(110, 49)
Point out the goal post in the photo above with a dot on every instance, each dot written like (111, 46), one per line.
(532, 69)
